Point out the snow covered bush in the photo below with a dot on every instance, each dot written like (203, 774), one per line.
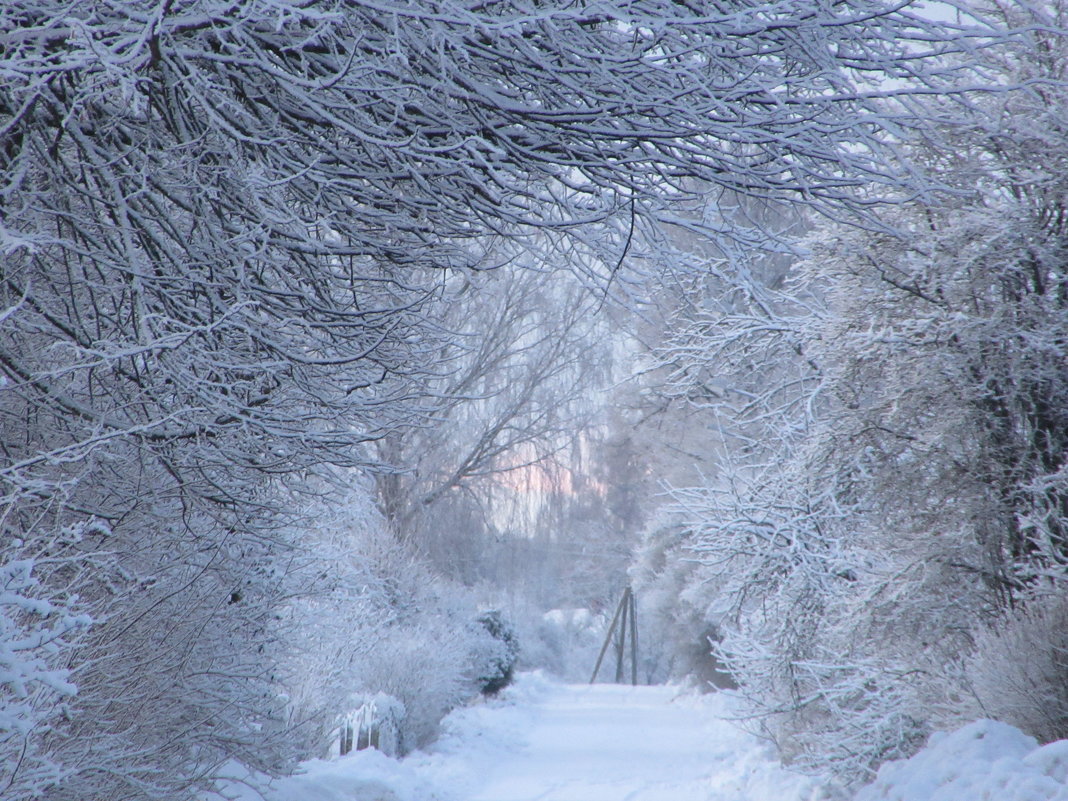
(1019, 669)
(338, 602)
(425, 662)
(496, 664)
(367, 618)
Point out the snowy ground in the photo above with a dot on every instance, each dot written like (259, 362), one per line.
(604, 743)
(545, 741)
(983, 761)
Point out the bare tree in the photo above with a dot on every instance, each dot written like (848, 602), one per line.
(527, 351)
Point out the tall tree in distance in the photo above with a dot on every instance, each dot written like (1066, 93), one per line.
(527, 348)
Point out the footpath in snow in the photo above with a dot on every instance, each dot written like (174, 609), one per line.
(604, 743)
(543, 741)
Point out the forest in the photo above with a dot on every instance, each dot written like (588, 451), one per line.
(351, 350)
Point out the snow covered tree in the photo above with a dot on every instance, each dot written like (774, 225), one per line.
(898, 483)
(514, 389)
(223, 229)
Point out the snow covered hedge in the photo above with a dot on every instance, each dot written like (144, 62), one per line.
(372, 621)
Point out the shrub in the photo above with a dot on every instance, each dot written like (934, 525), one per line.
(1019, 670)
(497, 662)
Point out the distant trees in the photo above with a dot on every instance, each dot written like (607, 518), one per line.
(526, 348)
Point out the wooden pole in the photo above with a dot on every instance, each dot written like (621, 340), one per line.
(621, 643)
(633, 639)
(607, 639)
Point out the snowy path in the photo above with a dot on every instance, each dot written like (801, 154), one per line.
(545, 741)
(609, 743)
(605, 743)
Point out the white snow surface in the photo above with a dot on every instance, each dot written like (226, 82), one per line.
(544, 741)
(983, 761)
(554, 742)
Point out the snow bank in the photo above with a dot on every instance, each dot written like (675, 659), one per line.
(360, 776)
(488, 729)
(983, 761)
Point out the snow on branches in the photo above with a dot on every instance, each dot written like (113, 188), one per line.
(891, 513)
(224, 230)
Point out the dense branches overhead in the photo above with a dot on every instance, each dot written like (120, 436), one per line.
(403, 126)
(241, 192)
(182, 179)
